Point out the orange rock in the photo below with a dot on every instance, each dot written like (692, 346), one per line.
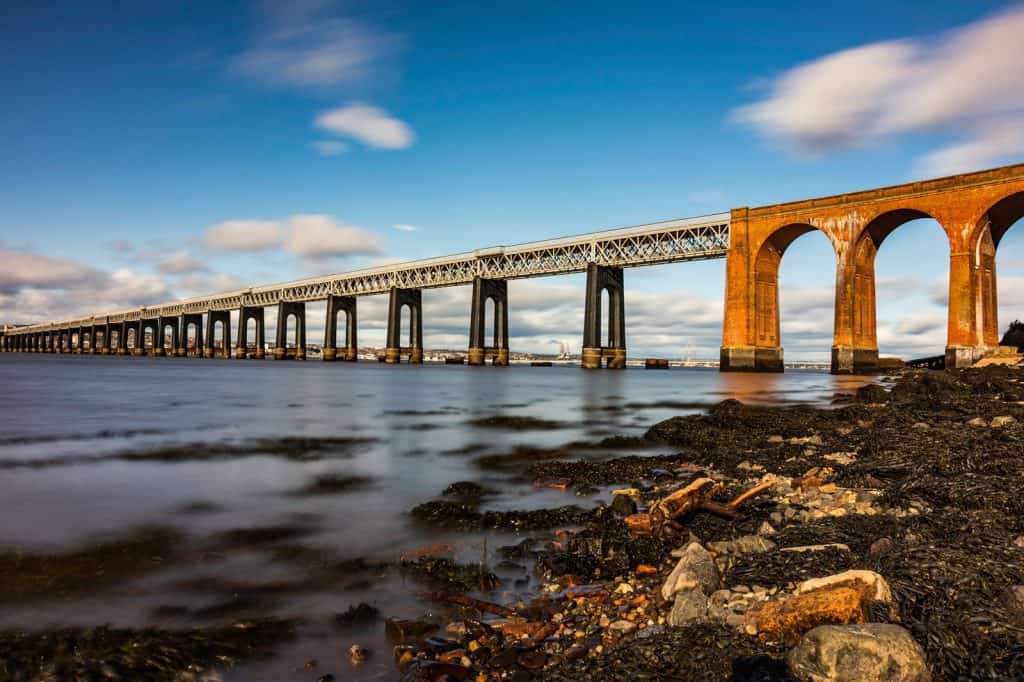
(786, 620)
(594, 592)
(638, 524)
(645, 569)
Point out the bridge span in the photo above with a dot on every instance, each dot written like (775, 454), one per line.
(974, 210)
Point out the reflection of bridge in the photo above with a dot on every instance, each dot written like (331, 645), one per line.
(975, 210)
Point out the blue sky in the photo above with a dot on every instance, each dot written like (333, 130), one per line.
(143, 146)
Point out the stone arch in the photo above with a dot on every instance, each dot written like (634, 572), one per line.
(766, 325)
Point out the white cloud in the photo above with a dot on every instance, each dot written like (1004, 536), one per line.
(330, 147)
(968, 81)
(370, 125)
(321, 236)
(308, 44)
(405, 228)
(243, 235)
(179, 263)
(309, 236)
(20, 269)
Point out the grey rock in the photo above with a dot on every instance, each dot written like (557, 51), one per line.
(690, 606)
(623, 505)
(858, 653)
(696, 570)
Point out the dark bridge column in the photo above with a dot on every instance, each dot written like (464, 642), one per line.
(394, 351)
(212, 318)
(599, 279)
(176, 350)
(105, 346)
(122, 339)
(483, 290)
(245, 314)
(335, 305)
(285, 309)
(197, 349)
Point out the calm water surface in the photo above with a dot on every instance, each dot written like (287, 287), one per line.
(69, 426)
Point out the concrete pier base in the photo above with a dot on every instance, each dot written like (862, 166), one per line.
(280, 353)
(958, 357)
(596, 358)
(846, 360)
(329, 354)
(751, 359)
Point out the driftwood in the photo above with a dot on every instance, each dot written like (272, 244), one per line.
(478, 604)
(662, 518)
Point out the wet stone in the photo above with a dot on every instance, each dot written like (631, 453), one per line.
(858, 653)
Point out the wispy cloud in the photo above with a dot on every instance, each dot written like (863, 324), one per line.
(968, 82)
(330, 147)
(312, 44)
(405, 228)
(310, 236)
(180, 263)
(368, 124)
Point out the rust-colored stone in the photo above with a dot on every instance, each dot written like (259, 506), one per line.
(638, 524)
(786, 620)
(974, 210)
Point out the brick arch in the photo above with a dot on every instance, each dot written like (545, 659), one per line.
(862, 293)
(767, 323)
(983, 243)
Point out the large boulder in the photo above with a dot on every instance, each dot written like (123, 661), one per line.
(690, 606)
(696, 570)
(787, 620)
(858, 653)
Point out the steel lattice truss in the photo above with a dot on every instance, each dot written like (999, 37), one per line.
(666, 242)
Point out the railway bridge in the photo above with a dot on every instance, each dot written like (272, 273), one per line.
(974, 209)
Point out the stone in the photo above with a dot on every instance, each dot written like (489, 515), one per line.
(858, 653)
(690, 606)
(357, 654)
(1001, 421)
(873, 586)
(1019, 541)
(696, 570)
(817, 548)
(746, 544)
(787, 620)
(880, 546)
(977, 421)
(622, 627)
(766, 529)
(921, 426)
(623, 505)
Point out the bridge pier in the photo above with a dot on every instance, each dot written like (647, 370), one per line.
(602, 278)
(484, 290)
(210, 349)
(400, 298)
(197, 347)
(242, 351)
(105, 346)
(160, 337)
(349, 352)
(286, 309)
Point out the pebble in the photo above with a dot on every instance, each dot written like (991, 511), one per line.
(357, 654)
(1004, 420)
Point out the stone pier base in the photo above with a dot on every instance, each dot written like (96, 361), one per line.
(750, 359)
(847, 360)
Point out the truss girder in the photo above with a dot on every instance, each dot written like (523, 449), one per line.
(669, 242)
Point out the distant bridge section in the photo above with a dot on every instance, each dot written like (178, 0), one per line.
(686, 239)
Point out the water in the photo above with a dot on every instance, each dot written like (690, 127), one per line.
(72, 430)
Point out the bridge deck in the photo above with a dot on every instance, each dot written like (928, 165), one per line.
(685, 239)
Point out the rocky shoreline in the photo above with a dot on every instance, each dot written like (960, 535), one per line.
(883, 536)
